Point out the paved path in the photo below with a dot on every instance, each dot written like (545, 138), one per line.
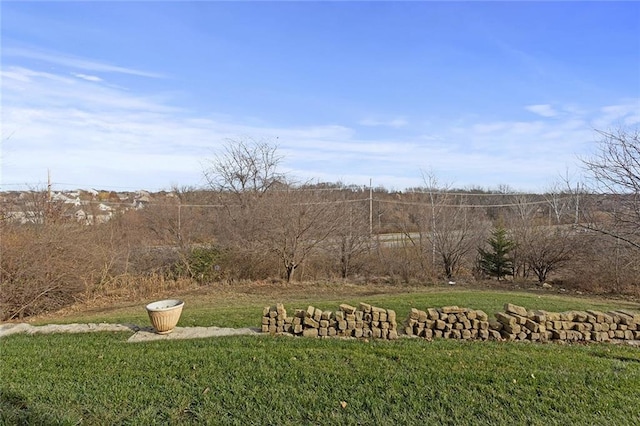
(141, 334)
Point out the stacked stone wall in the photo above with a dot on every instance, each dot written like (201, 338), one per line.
(515, 323)
(365, 321)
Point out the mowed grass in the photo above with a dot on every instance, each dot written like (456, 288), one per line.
(241, 306)
(248, 380)
(102, 379)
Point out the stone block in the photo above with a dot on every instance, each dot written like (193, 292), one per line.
(553, 316)
(310, 311)
(391, 316)
(506, 319)
(495, 325)
(482, 315)
(580, 316)
(348, 309)
(393, 335)
(615, 316)
(532, 325)
(433, 314)
(494, 335)
(317, 314)
(323, 331)
(566, 316)
(597, 316)
(507, 336)
(365, 307)
(452, 309)
(512, 329)
(310, 332)
(311, 323)
(538, 316)
(515, 309)
(635, 316)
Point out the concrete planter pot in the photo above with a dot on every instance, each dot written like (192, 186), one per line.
(164, 314)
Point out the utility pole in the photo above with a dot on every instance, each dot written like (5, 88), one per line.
(577, 203)
(370, 208)
(49, 185)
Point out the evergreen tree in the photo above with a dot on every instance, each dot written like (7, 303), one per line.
(496, 261)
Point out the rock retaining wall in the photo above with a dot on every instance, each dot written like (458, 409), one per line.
(364, 321)
(515, 323)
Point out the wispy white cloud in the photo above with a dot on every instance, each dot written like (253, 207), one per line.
(87, 77)
(545, 110)
(395, 122)
(89, 133)
(75, 62)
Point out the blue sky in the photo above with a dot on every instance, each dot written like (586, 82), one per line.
(137, 95)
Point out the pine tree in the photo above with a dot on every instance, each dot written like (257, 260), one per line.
(496, 261)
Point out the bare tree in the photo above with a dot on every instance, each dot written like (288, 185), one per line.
(293, 224)
(546, 250)
(351, 239)
(615, 173)
(244, 167)
(446, 228)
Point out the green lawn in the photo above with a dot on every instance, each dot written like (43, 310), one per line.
(229, 308)
(245, 380)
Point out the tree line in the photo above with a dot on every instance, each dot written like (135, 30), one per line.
(254, 222)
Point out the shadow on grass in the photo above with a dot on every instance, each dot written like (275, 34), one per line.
(15, 410)
(616, 357)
